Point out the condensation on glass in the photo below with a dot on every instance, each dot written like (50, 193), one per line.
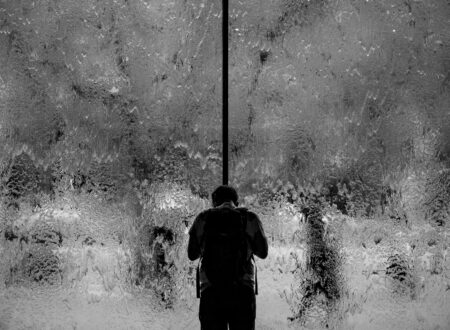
(110, 145)
(343, 107)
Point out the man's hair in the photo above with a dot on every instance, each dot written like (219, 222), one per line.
(224, 194)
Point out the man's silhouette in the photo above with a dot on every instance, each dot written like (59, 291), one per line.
(226, 237)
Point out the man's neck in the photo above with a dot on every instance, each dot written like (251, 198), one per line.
(227, 204)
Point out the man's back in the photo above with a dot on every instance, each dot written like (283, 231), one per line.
(224, 246)
(233, 304)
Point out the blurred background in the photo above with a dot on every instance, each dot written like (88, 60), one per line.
(110, 145)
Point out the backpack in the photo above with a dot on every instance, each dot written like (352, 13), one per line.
(225, 245)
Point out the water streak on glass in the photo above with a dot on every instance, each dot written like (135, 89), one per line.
(110, 121)
(343, 107)
(110, 145)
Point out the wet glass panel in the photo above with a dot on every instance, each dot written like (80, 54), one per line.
(343, 107)
(110, 118)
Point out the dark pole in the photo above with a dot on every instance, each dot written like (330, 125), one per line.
(225, 89)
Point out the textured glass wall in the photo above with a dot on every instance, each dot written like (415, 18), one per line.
(110, 117)
(343, 107)
(110, 144)
(110, 82)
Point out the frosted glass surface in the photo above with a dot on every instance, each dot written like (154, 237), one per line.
(320, 86)
(110, 117)
(344, 106)
(110, 145)
(112, 82)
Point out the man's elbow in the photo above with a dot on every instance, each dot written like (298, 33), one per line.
(192, 256)
(261, 255)
(261, 246)
(193, 252)
(264, 253)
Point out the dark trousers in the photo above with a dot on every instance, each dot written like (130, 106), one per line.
(234, 307)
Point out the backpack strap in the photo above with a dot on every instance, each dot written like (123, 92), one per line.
(256, 276)
(197, 280)
(244, 216)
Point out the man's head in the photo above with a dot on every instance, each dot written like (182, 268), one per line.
(224, 194)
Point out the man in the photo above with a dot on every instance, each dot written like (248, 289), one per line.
(227, 303)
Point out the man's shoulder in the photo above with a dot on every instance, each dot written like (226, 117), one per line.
(197, 225)
(202, 216)
(204, 213)
(250, 215)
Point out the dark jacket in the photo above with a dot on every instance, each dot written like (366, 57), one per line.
(255, 234)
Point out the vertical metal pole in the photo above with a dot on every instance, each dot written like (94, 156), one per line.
(225, 90)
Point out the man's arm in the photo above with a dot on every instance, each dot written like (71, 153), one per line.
(193, 248)
(193, 245)
(260, 246)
